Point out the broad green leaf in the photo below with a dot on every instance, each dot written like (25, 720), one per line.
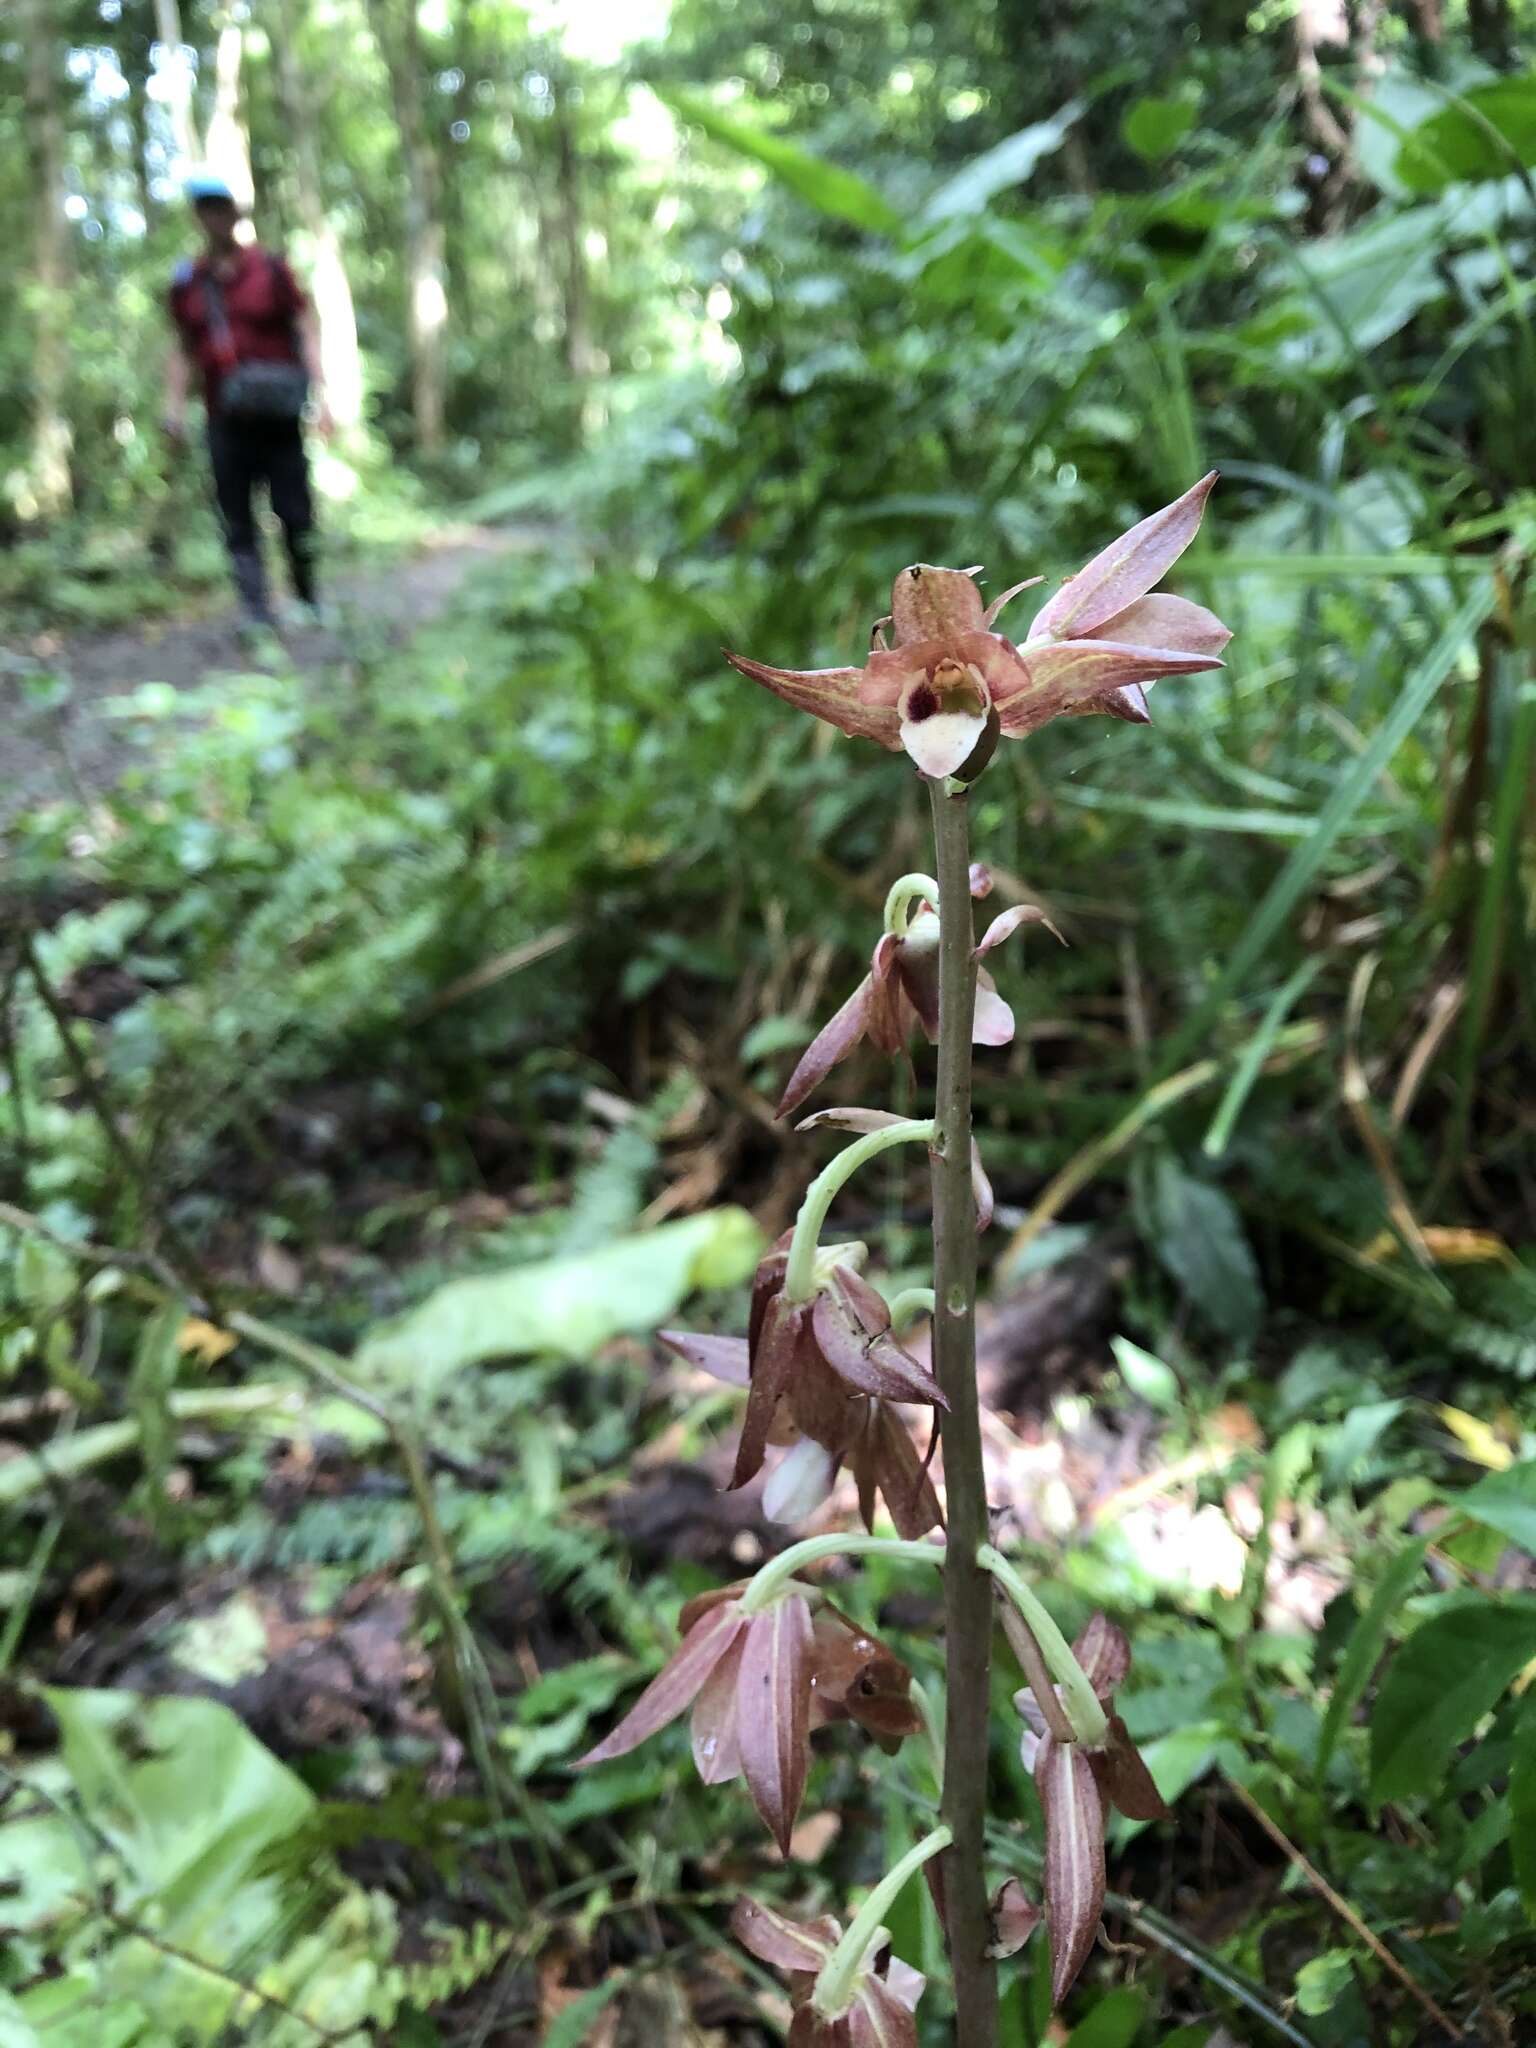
(1506, 1501)
(1371, 280)
(1154, 128)
(188, 1807)
(1323, 1981)
(1486, 132)
(1522, 1804)
(1176, 1760)
(1443, 1680)
(774, 1034)
(1200, 1239)
(1113, 2023)
(1009, 162)
(568, 1308)
(825, 186)
(1148, 1377)
(1365, 1645)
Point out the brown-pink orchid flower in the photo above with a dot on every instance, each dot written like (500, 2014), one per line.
(819, 1374)
(900, 993)
(758, 1683)
(1078, 1783)
(1096, 645)
(880, 2002)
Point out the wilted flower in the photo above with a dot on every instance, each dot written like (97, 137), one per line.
(1077, 1786)
(900, 994)
(881, 1999)
(758, 1683)
(1095, 646)
(818, 1374)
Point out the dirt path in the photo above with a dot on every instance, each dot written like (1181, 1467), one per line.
(67, 747)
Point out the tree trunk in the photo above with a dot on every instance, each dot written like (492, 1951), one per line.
(179, 78)
(47, 491)
(227, 148)
(398, 35)
(329, 288)
(575, 288)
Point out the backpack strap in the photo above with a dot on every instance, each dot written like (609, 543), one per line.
(218, 319)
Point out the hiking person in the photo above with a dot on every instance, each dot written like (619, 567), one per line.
(244, 324)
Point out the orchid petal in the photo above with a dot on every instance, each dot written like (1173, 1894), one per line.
(833, 694)
(772, 1368)
(772, 1712)
(1104, 1651)
(1124, 1776)
(723, 1358)
(991, 1020)
(800, 1482)
(674, 1687)
(1166, 621)
(879, 2019)
(888, 1453)
(866, 1358)
(981, 1189)
(1126, 569)
(855, 1677)
(1073, 674)
(980, 879)
(716, 1750)
(1007, 597)
(835, 1040)
(1074, 1857)
(1128, 702)
(1015, 1916)
(941, 743)
(787, 1944)
(1004, 926)
(905, 1984)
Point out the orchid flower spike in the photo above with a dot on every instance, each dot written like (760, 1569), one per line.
(947, 683)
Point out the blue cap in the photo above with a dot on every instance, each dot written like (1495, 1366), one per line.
(208, 185)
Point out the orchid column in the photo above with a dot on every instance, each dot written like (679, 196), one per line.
(825, 1370)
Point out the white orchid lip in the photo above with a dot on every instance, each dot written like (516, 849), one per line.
(943, 715)
(800, 1482)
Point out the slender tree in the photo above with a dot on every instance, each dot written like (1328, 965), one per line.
(47, 490)
(328, 274)
(178, 78)
(227, 144)
(398, 34)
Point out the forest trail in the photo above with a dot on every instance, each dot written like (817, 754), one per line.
(69, 747)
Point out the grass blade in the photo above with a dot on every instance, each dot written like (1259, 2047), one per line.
(1353, 788)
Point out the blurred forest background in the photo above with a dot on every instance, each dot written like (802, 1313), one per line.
(388, 1037)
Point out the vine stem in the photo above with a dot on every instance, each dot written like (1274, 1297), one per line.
(967, 1587)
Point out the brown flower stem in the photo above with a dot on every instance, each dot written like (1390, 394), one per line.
(967, 1587)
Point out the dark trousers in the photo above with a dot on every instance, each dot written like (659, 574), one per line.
(245, 453)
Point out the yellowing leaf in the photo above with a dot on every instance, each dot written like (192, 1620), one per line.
(205, 1341)
(1447, 1247)
(1478, 1439)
